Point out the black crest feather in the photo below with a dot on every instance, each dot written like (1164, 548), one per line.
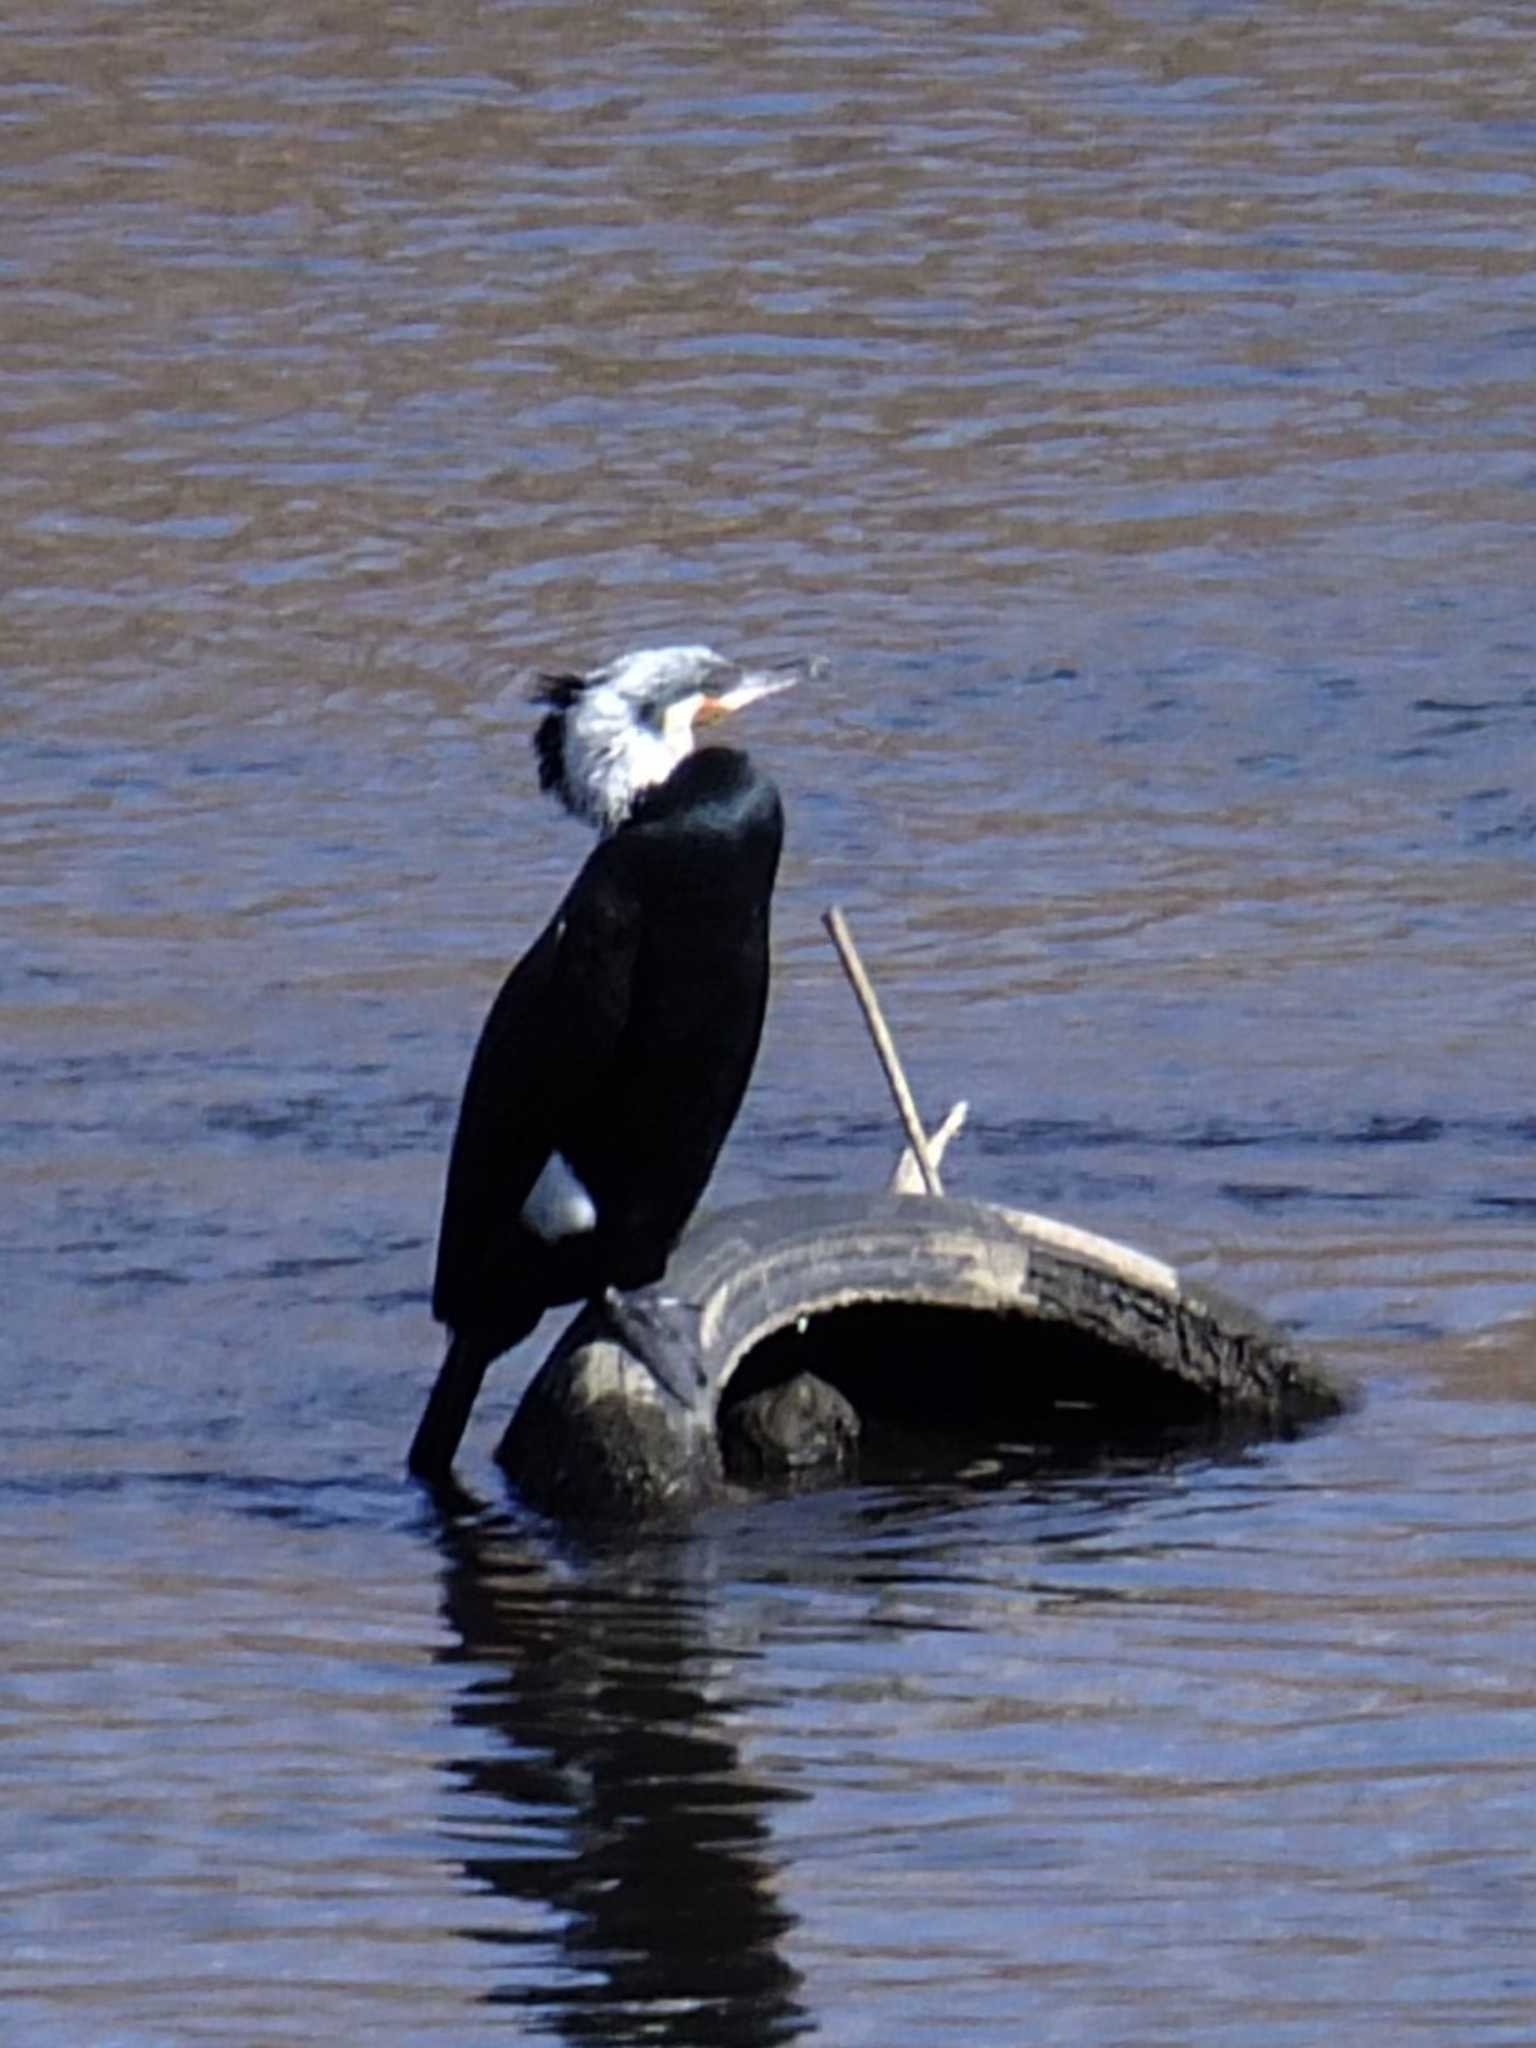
(559, 693)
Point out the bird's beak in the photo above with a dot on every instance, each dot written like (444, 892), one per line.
(752, 684)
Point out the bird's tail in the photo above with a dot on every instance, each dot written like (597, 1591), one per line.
(443, 1421)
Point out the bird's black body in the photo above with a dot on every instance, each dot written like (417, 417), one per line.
(622, 1041)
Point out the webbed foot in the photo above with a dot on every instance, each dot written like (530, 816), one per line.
(662, 1332)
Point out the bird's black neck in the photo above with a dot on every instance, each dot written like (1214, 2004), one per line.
(717, 786)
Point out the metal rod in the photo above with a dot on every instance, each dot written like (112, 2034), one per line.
(906, 1108)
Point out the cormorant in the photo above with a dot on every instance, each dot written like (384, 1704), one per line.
(614, 1059)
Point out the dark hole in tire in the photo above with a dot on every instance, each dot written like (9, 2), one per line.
(932, 1387)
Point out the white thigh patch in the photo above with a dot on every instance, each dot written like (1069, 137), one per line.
(558, 1205)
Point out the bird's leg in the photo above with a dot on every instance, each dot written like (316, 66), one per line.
(441, 1428)
(663, 1334)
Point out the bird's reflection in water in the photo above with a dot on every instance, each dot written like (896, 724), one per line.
(629, 1820)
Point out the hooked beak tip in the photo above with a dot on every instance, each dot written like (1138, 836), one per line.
(756, 684)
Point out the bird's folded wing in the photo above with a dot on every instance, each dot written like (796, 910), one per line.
(546, 1046)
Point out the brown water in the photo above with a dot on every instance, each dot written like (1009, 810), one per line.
(1135, 402)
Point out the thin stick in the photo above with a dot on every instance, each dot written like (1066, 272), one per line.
(908, 1176)
(906, 1108)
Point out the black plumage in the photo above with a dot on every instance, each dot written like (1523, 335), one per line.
(622, 1043)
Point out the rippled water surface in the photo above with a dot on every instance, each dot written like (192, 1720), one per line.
(1135, 404)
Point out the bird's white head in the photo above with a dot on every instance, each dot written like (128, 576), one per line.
(609, 736)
